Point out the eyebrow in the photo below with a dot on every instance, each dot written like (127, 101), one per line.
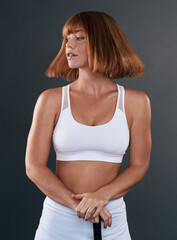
(79, 30)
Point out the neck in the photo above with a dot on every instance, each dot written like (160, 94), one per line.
(92, 82)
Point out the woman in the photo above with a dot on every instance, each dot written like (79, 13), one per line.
(91, 121)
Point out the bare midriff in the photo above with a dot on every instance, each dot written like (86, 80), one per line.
(86, 176)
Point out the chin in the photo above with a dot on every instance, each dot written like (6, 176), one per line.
(73, 67)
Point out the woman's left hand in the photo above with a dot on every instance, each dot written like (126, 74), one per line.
(89, 202)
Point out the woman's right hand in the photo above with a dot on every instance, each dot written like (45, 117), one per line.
(105, 215)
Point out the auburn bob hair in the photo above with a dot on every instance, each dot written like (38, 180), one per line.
(108, 50)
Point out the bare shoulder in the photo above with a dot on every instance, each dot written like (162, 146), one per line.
(137, 103)
(48, 103)
(136, 96)
(50, 96)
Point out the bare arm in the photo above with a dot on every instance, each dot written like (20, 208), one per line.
(140, 148)
(38, 148)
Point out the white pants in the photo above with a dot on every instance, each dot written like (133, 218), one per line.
(58, 222)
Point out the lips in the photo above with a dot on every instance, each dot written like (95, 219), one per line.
(70, 54)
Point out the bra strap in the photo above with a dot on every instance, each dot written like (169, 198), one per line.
(121, 98)
(64, 103)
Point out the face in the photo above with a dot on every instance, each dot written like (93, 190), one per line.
(76, 44)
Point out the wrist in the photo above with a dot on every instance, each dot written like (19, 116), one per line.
(103, 191)
(74, 203)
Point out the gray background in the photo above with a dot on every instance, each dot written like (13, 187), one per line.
(30, 39)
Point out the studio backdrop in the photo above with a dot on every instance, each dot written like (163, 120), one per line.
(31, 36)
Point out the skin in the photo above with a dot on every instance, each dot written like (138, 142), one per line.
(92, 184)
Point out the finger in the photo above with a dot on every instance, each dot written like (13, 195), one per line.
(109, 216)
(94, 220)
(77, 196)
(91, 218)
(90, 212)
(87, 209)
(98, 210)
(79, 207)
(105, 218)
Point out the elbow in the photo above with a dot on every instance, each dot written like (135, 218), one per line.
(34, 170)
(139, 172)
(29, 171)
(28, 165)
(142, 172)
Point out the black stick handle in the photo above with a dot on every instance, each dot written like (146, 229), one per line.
(97, 230)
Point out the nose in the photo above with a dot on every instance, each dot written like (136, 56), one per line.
(71, 43)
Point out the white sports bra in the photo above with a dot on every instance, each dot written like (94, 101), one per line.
(74, 141)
